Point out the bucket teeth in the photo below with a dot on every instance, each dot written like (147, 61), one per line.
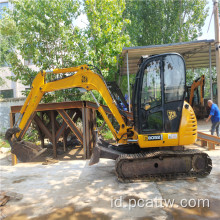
(10, 132)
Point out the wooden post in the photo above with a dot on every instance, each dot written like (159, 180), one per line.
(54, 134)
(211, 146)
(65, 140)
(84, 119)
(203, 143)
(217, 45)
(42, 134)
(89, 123)
(12, 121)
(92, 128)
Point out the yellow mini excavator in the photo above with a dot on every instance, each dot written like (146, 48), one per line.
(152, 147)
(195, 97)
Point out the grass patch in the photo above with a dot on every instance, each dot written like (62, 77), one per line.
(107, 135)
(4, 143)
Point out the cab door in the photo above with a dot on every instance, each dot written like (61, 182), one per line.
(159, 94)
(174, 77)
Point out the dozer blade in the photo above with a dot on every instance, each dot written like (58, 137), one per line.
(103, 149)
(25, 151)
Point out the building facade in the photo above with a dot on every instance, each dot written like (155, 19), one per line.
(9, 89)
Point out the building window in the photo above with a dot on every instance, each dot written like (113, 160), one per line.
(2, 6)
(8, 93)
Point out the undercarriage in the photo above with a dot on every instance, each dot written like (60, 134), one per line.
(133, 164)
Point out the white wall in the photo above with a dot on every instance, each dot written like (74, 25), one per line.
(5, 109)
(17, 87)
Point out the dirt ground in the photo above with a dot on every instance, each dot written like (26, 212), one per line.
(71, 189)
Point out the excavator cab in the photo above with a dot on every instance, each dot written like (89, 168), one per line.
(158, 94)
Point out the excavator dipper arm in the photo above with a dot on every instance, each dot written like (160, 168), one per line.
(82, 77)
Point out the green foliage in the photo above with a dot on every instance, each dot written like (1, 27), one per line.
(107, 135)
(31, 135)
(46, 33)
(161, 22)
(43, 32)
(105, 34)
(8, 38)
(4, 143)
(124, 83)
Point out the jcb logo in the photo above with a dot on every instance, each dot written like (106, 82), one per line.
(171, 115)
(84, 79)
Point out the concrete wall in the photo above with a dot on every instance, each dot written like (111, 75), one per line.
(5, 109)
(17, 86)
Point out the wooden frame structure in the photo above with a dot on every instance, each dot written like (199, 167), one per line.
(69, 113)
(61, 118)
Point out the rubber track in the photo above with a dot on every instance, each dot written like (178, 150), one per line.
(158, 177)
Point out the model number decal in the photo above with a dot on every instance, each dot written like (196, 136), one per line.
(154, 138)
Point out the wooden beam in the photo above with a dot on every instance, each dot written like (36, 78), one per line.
(89, 123)
(61, 129)
(209, 140)
(84, 120)
(53, 118)
(12, 122)
(64, 125)
(64, 140)
(72, 125)
(52, 106)
(42, 126)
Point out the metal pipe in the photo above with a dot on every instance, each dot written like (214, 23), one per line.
(210, 70)
(217, 46)
(132, 141)
(129, 99)
(94, 98)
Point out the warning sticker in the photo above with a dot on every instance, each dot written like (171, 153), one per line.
(172, 136)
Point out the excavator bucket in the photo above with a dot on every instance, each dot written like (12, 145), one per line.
(25, 151)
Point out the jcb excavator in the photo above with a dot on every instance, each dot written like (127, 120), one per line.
(195, 97)
(150, 149)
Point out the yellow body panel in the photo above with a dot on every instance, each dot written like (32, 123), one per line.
(188, 126)
(187, 132)
(167, 139)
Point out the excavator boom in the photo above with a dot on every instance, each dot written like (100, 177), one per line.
(82, 77)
